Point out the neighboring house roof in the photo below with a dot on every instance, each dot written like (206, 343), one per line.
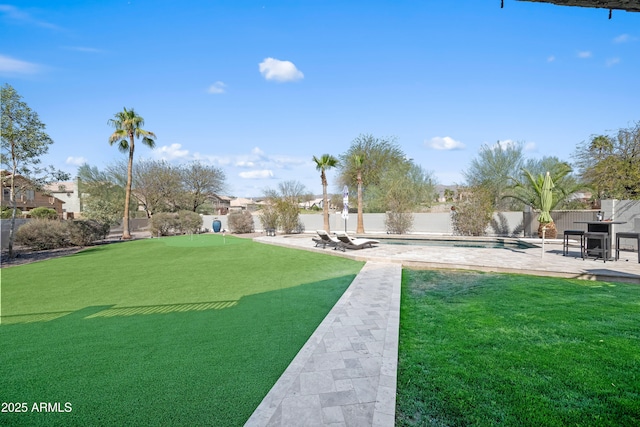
(241, 202)
(61, 187)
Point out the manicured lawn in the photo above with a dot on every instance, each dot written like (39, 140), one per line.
(496, 349)
(173, 331)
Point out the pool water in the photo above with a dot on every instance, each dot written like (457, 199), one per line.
(461, 243)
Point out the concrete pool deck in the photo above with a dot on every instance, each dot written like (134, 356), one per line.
(524, 261)
(345, 374)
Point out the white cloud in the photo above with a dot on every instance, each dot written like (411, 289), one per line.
(622, 38)
(530, 146)
(83, 49)
(245, 164)
(612, 61)
(20, 16)
(16, 66)
(171, 152)
(258, 174)
(281, 71)
(445, 143)
(584, 54)
(551, 58)
(217, 87)
(76, 161)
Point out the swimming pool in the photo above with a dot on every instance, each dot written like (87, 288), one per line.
(458, 242)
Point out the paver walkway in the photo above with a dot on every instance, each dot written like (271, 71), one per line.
(345, 375)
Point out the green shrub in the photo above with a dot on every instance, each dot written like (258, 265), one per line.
(7, 212)
(269, 217)
(189, 222)
(164, 223)
(43, 213)
(398, 222)
(41, 234)
(85, 232)
(471, 215)
(240, 222)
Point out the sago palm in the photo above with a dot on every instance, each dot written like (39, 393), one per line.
(326, 161)
(128, 127)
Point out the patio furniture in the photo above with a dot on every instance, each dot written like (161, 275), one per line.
(346, 242)
(627, 235)
(567, 234)
(600, 227)
(598, 245)
(325, 239)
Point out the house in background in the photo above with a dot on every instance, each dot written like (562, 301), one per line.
(67, 191)
(27, 197)
(220, 203)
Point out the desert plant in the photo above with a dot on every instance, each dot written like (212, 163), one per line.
(188, 222)
(7, 212)
(472, 214)
(43, 213)
(269, 217)
(398, 222)
(41, 234)
(163, 223)
(240, 222)
(84, 232)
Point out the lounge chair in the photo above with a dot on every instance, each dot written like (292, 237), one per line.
(325, 239)
(347, 242)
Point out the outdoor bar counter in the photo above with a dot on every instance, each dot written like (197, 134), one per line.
(599, 227)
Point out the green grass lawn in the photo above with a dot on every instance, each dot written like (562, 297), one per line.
(173, 331)
(500, 349)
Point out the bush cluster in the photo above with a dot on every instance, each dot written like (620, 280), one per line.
(240, 222)
(7, 212)
(398, 222)
(40, 234)
(43, 213)
(182, 222)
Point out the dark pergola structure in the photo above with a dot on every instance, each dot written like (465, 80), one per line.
(628, 5)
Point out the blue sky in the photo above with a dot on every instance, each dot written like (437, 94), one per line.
(258, 88)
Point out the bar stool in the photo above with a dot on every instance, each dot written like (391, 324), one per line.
(565, 245)
(602, 247)
(626, 235)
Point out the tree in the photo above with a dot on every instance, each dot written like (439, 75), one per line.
(610, 164)
(199, 183)
(326, 161)
(24, 141)
(365, 162)
(528, 188)
(157, 186)
(283, 206)
(400, 191)
(128, 127)
(493, 168)
(102, 194)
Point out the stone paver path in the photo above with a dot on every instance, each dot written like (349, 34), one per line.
(345, 375)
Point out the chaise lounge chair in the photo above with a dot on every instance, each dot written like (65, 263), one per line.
(347, 242)
(325, 239)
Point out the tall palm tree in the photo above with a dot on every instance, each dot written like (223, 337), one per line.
(128, 127)
(326, 161)
(358, 161)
